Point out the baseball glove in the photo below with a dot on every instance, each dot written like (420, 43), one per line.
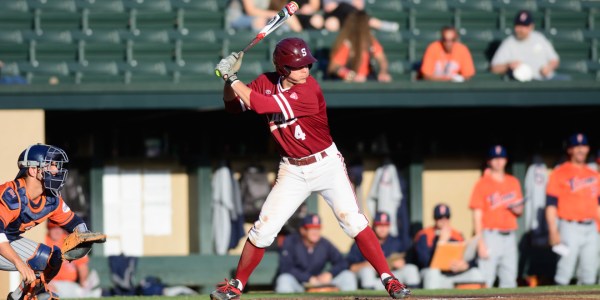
(78, 244)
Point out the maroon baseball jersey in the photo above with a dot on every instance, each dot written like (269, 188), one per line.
(297, 117)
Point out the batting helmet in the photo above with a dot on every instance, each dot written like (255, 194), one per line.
(291, 52)
(41, 156)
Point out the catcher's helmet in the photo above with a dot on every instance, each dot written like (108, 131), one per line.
(42, 156)
(291, 52)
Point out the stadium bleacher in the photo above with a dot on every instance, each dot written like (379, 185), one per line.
(84, 41)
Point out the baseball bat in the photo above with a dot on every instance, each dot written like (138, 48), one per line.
(274, 23)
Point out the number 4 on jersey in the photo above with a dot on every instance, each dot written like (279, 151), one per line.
(299, 134)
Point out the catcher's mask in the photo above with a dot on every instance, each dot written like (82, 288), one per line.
(50, 160)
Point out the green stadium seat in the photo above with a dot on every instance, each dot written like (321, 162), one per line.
(52, 46)
(20, 6)
(153, 20)
(193, 71)
(22, 20)
(98, 72)
(10, 36)
(40, 73)
(429, 5)
(471, 5)
(103, 46)
(515, 5)
(197, 5)
(11, 69)
(401, 70)
(565, 20)
(152, 45)
(53, 5)
(576, 35)
(145, 71)
(101, 20)
(573, 51)
(577, 69)
(391, 10)
(50, 20)
(562, 5)
(201, 20)
(198, 45)
(395, 44)
(148, 5)
(114, 6)
(476, 20)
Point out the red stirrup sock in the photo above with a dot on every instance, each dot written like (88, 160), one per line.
(251, 257)
(369, 246)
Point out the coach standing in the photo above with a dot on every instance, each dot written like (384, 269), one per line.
(571, 209)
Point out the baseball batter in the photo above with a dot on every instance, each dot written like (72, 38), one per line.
(30, 199)
(496, 202)
(294, 107)
(572, 200)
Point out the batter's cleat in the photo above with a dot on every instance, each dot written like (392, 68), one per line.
(227, 290)
(396, 289)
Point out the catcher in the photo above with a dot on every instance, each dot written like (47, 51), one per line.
(32, 198)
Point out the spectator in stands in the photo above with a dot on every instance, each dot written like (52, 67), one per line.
(497, 202)
(15, 79)
(74, 280)
(309, 14)
(353, 49)
(337, 11)
(426, 242)
(303, 258)
(447, 59)
(527, 54)
(394, 251)
(254, 14)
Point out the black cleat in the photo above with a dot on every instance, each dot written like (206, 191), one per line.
(396, 289)
(227, 290)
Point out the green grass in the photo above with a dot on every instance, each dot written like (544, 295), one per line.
(418, 293)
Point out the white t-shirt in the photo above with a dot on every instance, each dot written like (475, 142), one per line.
(535, 51)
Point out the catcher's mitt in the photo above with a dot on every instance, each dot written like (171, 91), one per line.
(78, 244)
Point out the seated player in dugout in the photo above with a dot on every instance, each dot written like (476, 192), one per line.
(303, 258)
(394, 251)
(426, 242)
(30, 199)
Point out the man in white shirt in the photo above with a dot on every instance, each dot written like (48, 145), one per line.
(526, 54)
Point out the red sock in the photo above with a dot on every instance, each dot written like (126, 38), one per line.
(251, 257)
(368, 244)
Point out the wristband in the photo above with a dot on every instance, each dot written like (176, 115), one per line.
(231, 79)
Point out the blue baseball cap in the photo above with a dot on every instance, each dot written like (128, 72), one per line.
(578, 139)
(497, 151)
(441, 211)
(381, 218)
(524, 17)
(311, 221)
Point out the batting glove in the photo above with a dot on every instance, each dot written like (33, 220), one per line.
(230, 64)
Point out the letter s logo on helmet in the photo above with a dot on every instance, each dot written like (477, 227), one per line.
(291, 53)
(43, 156)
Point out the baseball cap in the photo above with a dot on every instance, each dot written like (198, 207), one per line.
(311, 221)
(381, 218)
(524, 17)
(497, 151)
(441, 211)
(577, 139)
